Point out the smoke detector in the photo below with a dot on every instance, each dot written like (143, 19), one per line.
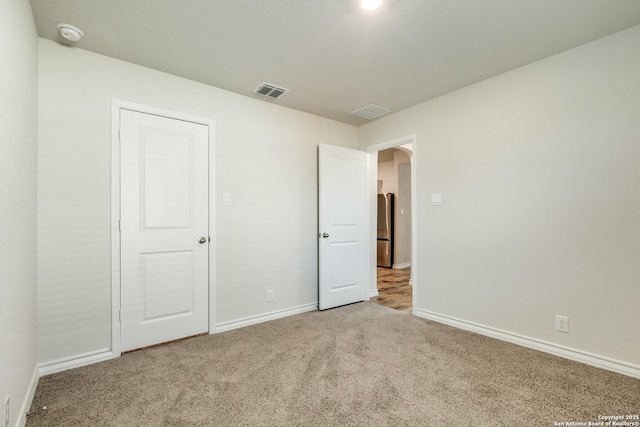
(371, 111)
(70, 32)
(270, 90)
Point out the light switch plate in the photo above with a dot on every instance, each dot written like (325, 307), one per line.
(226, 199)
(436, 199)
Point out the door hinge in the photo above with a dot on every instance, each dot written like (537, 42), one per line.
(120, 226)
(120, 316)
(119, 137)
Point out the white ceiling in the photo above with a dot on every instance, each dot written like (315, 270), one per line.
(334, 57)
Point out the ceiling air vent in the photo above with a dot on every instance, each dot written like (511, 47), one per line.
(371, 111)
(270, 90)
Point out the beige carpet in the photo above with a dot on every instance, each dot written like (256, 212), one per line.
(359, 365)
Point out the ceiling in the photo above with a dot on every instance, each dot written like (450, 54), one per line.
(333, 56)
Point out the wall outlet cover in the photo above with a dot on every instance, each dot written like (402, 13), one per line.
(562, 323)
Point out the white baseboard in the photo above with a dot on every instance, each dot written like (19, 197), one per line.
(26, 404)
(536, 344)
(401, 266)
(76, 361)
(373, 293)
(252, 320)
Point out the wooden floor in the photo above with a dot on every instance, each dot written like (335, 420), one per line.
(394, 289)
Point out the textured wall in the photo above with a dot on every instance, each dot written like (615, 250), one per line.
(18, 161)
(539, 173)
(266, 157)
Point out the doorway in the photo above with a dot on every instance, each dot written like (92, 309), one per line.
(392, 168)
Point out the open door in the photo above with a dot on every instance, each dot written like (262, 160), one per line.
(342, 226)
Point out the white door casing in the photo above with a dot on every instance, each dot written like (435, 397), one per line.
(342, 226)
(164, 214)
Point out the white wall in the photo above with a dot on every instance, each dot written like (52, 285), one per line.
(402, 238)
(266, 157)
(386, 174)
(18, 161)
(540, 176)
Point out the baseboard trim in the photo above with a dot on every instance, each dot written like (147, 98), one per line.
(536, 344)
(373, 293)
(76, 361)
(26, 404)
(253, 320)
(401, 266)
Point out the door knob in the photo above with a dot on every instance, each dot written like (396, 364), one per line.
(202, 240)
(325, 235)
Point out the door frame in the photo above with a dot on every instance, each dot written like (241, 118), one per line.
(372, 190)
(116, 106)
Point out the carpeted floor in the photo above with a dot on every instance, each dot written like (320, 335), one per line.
(358, 365)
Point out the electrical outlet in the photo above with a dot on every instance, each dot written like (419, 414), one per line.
(270, 295)
(562, 323)
(7, 413)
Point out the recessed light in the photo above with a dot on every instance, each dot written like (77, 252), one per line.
(370, 4)
(70, 32)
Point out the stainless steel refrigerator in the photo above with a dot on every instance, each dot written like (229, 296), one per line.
(385, 230)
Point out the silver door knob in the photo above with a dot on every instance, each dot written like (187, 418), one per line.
(202, 240)
(325, 235)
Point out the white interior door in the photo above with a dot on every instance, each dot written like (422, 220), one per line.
(164, 229)
(342, 229)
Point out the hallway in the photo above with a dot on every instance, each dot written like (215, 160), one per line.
(394, 290)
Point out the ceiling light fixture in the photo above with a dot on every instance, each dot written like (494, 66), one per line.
(70, 32)
(370, 4)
